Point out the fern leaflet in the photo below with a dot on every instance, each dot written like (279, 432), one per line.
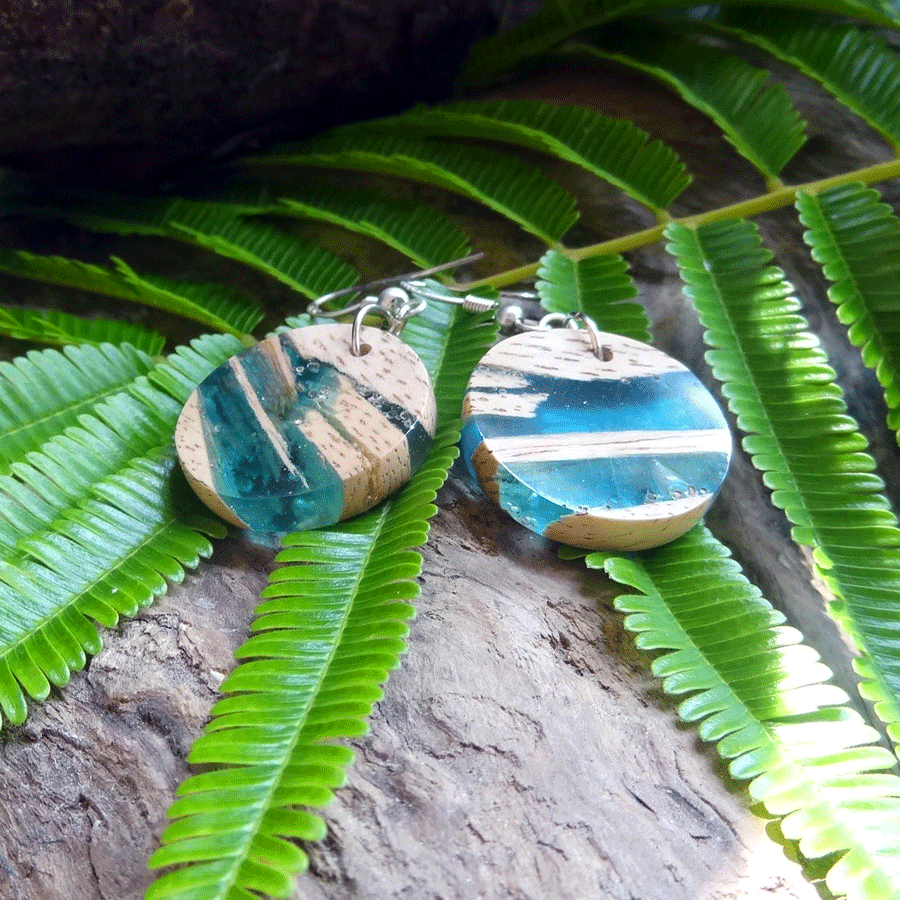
(856, 66)
(302, 265)
(780, 386)
(856, 239)
(759, 694)
(756, 118)
(554, 23)
(90, 529)
(613, 149)
(215, 306)
(328, 632)
(420, 232)
(600, 287)
(45, 391)
(58, 328)
(515, 189)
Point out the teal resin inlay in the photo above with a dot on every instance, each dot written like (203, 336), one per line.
(585, 456)
(296, 433)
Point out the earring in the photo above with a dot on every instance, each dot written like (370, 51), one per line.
(312, 425)
(593, 439)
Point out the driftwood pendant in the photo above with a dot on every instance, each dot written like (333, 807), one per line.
(622, 454)
(297, 432)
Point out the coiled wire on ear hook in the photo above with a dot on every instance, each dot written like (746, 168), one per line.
(406, 296)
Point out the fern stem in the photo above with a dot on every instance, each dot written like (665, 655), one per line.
(774, 199)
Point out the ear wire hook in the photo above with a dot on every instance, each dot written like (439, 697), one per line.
(315, 307)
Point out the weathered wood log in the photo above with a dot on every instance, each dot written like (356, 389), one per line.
(523, 750)
(158, 81)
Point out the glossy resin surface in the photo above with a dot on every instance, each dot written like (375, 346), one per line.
(298, 433)
(621, 454)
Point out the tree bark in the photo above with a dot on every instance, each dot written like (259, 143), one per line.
(116, 89)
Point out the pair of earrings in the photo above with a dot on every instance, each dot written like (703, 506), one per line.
(585, 437)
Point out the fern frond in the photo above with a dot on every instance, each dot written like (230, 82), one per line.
(799, 434)
(856, 66)
(600, 287)
(89, 528)
(757, 119)
(44, 392)
(329, 630)
(759, 694)
(302, 265)
(417, 230)
(59, 328)
(613, 149)
(512, 188)
(102, 560)
(856, 240)
(133, 422)
(548, 28)
(217, 307)
(554, 23)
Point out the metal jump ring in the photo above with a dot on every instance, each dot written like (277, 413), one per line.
(603, 352)
(357, 347)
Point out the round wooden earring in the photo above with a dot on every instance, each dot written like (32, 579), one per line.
(298, 432)
(619, 450)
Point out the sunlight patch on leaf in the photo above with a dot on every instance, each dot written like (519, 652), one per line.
(761, 696)
(798, 432)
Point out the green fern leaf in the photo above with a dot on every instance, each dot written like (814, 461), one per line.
(613, 149)
(799, 434)
(856, 66)
(856, 239)
(55, 327)
(759, 694)
(302, 265)
(104, 559)
(215, 305)
(210, 304)
(515, 189)
(328, 632)
(89, 526)
(599, 287)
(416, 230)
(759, 120)
(556, 22)
(44, 392)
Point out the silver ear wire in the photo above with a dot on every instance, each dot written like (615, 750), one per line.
(315, 307)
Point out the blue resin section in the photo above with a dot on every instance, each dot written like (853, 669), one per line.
(540, 493)
(671, 401)
(249, 473)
